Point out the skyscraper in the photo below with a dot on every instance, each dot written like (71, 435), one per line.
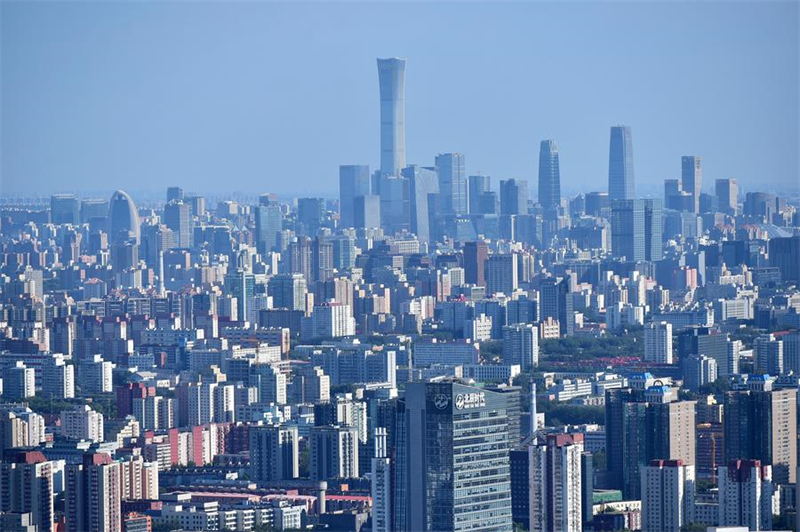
(354, 181)
(745, 495)
(178, 217)
(123, 218)
(692, 178)
(549, 176)
(628, 229)
(310, 214)
(475, 255)
(653, 229)
(501, 274)
(391, 79)
(453, 189)
(27, 487)
(727, 195)
(269, 223)
(521, 345)
(334, 452)
(621, 184)
(395, 204)
(514, 196)
(453, 466)
(424, 187)
(64, 209)
(478, 185)
(658, 342)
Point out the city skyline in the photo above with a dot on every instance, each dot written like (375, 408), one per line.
(436, 103)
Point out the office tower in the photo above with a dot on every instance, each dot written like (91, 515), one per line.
(424, 187)
(298, 258)
(174, 194)
(768, 355)
(274, 453)
(712, 343)
(727, 195)
(19, 381)
(670, 427)
(354, 181)
(672, 188)
(549, 176)
(310, 215)
(93, 495)
(367, 212)
(123, 218)
(596, 203)
(94, 210)
(555, 481)
(783, 254)
(658, 342)
(241, 285)
(692, 178)
(762, 425)
(625, 440)
(501, 274)
(381, 483)
(288, 290)
(26, 479)
(453, 190)
(621, 184)
(514, 196)
(64, 209)
(391, 79)
(521, 345)
(745, 495)
(395, 193)
(628, 230)
(699, 370)
(475, 255)
(458, 436)
(555, 301)
(477, 186)
(653, 230)
(668, 488)
(269, 224)
(334, 452)
(344, 252)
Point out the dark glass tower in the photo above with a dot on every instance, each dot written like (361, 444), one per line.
(354, 181)
(549, 176)
(620, 165)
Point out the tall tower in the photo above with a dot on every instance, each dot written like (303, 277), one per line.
(692, 178)
(391, 78)
(620, 164)
(549, 175)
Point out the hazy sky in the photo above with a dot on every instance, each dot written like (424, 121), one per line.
(261, 96)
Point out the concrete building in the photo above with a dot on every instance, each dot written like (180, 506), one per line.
(555, 484)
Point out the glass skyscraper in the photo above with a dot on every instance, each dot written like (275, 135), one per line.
(453, 191)
(549, 176)
(354, 181)
(391, 77)
(692, 178)
(453, 468)
(620, 165)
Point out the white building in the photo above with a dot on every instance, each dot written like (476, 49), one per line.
(381, 485)
(428, 352)
(82, 423)
(667, 495)
(658, 342)
(95, 375)
(521, 345)
(745, 495)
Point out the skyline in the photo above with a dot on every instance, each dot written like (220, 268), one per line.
(236, 125)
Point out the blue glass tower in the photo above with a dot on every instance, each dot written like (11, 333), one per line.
(620, 165)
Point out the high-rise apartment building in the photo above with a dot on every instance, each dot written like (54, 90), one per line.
(501, 274)
(391, 79)
(745, 495)
(555, 484)
(93, 495)
(452, 469)
(274, 453)
(668, 488)
(658, 342)
(334, 452)
(521, 345)
(762, 425)
(26, 479)
(621, 184)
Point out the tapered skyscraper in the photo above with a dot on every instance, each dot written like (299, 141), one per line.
(549, 175)
(620, 164)
(391, 77)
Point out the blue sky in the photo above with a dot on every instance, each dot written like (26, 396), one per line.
(263, 96)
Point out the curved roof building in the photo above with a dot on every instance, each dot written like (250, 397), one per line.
(123, 218)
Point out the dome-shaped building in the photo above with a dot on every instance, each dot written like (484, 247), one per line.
(123, 218)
